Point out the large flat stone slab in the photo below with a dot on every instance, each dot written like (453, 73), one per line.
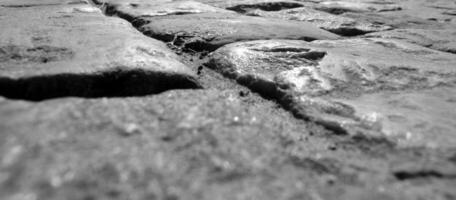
(192, 144)
(437, 10)
(34, 3)
(420, 117)
(131, 10)
(76, 50)
(337, 24)
(419, 14)
(339, 7)
(442, 40)
(203, 142)
(208, 31)
(311, 78)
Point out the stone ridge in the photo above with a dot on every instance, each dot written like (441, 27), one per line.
(74, 50)
(326, 81)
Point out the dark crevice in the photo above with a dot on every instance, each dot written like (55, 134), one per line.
(334, 11)
(424, 174)
(312, 55)
(323, 166)
(307, 39)
(348, 32)
(111, 10)
(342, 10)
(114, 83)
(445, 50)
(297, 52)
(266, 89)
(201, 46)
(267, 6)
(374, 146)
(283, 49)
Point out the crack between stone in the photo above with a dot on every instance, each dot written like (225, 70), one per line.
(421, 174)
(114, 83)
(266, 6)
(267, 90)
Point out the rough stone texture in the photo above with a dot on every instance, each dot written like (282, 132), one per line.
(77, 51)
(205, 27)
(419, 14)
(209, 31)
(412, 117)
(194, 145)
(248, 4)
(434, 10)
(131, 11)
(34, 3)
(442, 40)
(352, 118)
(333, 23)
(317, 74)
(339, 7)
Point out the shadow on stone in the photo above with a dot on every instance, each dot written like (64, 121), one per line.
(410, 175)
(267, 6)
(114, 83)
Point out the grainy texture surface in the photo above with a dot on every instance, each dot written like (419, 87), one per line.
(238, 99)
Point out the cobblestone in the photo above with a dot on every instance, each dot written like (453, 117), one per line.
(283, 99)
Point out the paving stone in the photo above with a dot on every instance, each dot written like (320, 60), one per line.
(208, 31)
(378, 111)
(52, 149)
(120, 147)
(412, 117)
(242, 5)
(333, 23)
(442, 40)
(339, 7)
(411, 15)
(318, 74)
(126, 2)
(75, 50)
(34, 3)
(435, 10)
(131, 11)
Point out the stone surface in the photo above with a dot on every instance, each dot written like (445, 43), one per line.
(208, 31)
(202, 144)
(131, 11)
(412, 117)
(339, 7)
(419, 14)
(333, 23)
(319, 73)
(442, 40)
(76, 50)
(34, 3)
(435, 10)
(239, 5)
(90, 108)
